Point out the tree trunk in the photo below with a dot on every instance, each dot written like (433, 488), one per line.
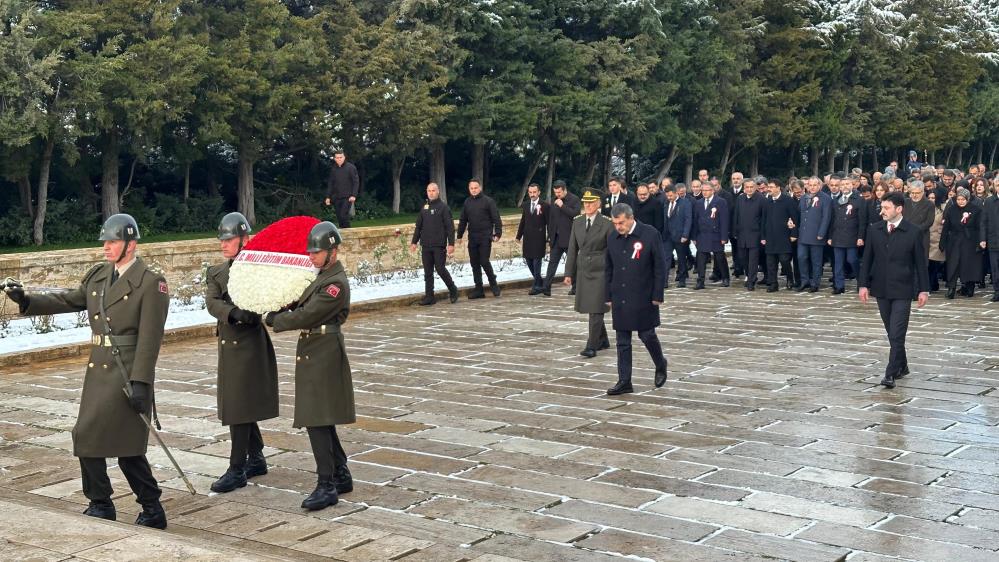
(627, 164)
(398, 161)
(726, 154)
(187, 181)
(831, 160)
(950, 152)
(244, 190)
(487, 160)
(110, 204)
(550, 176)
(960, 156)
(688, 170)
(754, 166)
(860, 158)
(874, 156)
(24, 191)
(992, 157)
(38, 228)
(608, 152)
(437, 173)
(846, 160)
(979, 152)
(591, 168)
(815, 160)
(533, 169)
(479, 162)
(791, 159)
(667, 164)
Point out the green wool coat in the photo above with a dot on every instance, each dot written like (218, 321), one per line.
(324, 392)
(137, 305)
(585, 263)
(247, 372)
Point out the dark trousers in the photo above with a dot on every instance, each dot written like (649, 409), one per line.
(327, 450)
(738, 264)
(651, 341)
(434, 258)
(554, 258)
(682, 257)
(994, 262)
(810, 260)
(478, 257)
(342, 208)
(246, 439)
(936, 269)
(597, 332)
(534, 266)
(97, 485)
(843, 257)
(749, 259)
(720, 264)
(895, 315)
(772, 261)
(795, 264)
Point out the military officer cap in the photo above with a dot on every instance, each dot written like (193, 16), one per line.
(119, 227)
(590, 196)
(324, 236)
(234, 225)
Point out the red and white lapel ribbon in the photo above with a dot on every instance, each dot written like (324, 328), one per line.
(637, 250)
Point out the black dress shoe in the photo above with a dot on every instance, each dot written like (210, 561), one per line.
(888, 382)
(477, 293)
(714, 277)
(660, 377)
(588, 352)
(903, 372)
(534, 291)
(495, 288)
(995, 296)
(256, 465)
(726, 282)
(971, 290)
(547, 292)
(453, 295)
(427, 300)
(620, 388)
(322, 497)
(101, 510)
(839, 291)
(699, 285)
(343, 481)
(772, 289)
(681, 284)
(751, 287)
(604, 345)
(666, 285)
(232, 479)
(951, 292)
(800, 288)
(788, 283)
(572, 291)
(152, 516)
(813, 289)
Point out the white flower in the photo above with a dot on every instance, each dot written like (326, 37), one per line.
(263, 287)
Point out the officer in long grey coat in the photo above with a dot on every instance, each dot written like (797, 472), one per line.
(324, 393)
(247, 367)
(584, 267)
(135, 301)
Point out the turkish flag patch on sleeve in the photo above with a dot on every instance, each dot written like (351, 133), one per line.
(333, 291)
(163, 288)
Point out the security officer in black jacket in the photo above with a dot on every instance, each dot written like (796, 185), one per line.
(342, 188)
(481, 217)
(435, 232)
(564, 209)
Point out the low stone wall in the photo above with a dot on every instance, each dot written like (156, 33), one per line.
(366, 251)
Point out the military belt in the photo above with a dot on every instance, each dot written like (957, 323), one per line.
(120, 341)
(323, 330)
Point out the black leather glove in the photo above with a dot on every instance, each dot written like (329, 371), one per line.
(269, 319)
(141, 397)
(244, 317)
(15, 292)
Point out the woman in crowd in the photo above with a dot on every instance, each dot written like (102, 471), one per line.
(961, 241)
(937, 255)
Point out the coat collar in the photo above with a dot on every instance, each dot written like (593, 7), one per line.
(125, 284)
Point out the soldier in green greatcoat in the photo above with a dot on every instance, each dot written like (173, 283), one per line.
(247, 389)
(324, 393)
(136, 301)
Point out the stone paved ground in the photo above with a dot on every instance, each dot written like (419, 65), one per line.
(484, 436)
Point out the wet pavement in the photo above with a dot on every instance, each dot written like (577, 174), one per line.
(483, 435)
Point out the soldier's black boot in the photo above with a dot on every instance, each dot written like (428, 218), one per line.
(494, 287)
(152, 516)
(427, 300)
(477, 293)
(102, 509)
(995, 296)
(343, 480)
(452, 294)
(888, 381)
(256, 464)
(233, 478)
(323, 496)
(951, 291)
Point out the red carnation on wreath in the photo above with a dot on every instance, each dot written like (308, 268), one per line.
(274, 268)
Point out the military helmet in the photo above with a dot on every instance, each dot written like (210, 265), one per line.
(119, 227)
(234, 225)
(324, 236)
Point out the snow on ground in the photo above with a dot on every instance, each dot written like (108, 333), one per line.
(25, 334)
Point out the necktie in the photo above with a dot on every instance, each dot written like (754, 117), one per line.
(706, 203)
(588, 219)
(114, 276)
(891, 228)
(613, 200)
(534, 207)
(671, 205)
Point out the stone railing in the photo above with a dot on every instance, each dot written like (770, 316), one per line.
(365, 251)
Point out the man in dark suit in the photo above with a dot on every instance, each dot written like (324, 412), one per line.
(894, 268)
(780, 231)
(676, 234)
(533, 234)
(635, 274)
(816, 214)
(616, 194)
(563, 210)
(748, 230)
(710, 234)
(844, 233)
